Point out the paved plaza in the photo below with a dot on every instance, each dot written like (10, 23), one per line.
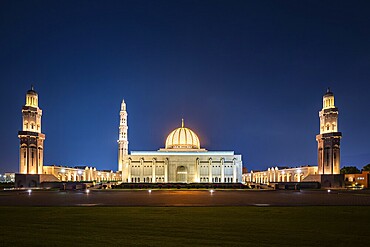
(184, 198)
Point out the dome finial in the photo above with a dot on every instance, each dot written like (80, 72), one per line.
(32, 87)
(328, 90)
(182, 123)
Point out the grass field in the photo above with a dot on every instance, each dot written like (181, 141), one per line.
(184, 226)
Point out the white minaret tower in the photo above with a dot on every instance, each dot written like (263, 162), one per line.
(329, 138)
(31, 151)
(122, 138)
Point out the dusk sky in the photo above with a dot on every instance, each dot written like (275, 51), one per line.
(247, 76)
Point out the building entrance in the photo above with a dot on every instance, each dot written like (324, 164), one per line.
(181, 174)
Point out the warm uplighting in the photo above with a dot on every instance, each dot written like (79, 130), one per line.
(182, 138)
(211, 191)
(150, 191)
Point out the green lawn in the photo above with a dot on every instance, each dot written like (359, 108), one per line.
(184, 226)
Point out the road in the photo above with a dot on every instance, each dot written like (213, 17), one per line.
(184, 198)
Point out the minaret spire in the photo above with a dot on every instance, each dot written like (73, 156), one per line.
(122, 138)
(329, 138)
(123, 105)
(31, 153)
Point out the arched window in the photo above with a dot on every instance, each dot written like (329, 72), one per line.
(327, 159)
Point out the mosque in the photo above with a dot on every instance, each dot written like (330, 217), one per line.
(182, 160)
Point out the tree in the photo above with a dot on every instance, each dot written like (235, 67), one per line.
(349, 170)
(366, 168)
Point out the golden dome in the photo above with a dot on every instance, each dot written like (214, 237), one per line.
(182, 138)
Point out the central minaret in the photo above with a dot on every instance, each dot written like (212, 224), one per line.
(329, 138)
(123, 138)
(31, 153)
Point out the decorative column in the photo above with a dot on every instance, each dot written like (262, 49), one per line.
(129, 180)
(222, 170)
(153, 171)
(210, 170)
(141, 170)
(198, 170)
(234, 171)
(166, 170)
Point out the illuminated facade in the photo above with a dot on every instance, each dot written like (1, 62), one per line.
(361, 180)
(181, 161)
(329, 138)
(123, 137)
(276, 174)
(31, 152)
(81, 173)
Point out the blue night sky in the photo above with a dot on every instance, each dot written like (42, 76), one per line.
(245, 75)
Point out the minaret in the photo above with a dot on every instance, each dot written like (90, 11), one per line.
(123, 138)
(31, 152)
(329, 138)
